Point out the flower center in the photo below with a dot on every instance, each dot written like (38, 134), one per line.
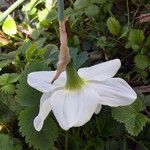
(74, 82)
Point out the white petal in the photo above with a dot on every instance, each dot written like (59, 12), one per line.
(88, 101)
(100, 71)
(114, 92)
(57, 105)
(71, 107)
(44, 110)
(98, 109)
(42, 80)
(74, 108)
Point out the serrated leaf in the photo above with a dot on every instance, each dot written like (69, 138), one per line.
(136, 124)
(92, 10)
(43, 140)
(9, 26)
(8, 88)
(113, 26)
(132, 118)
(27, 96)
(141, 61)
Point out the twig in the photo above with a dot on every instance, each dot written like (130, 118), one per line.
(10, 9)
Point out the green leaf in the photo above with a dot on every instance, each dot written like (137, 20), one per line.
(92, 10)
(136, 36)
(132, 118)
(30, 51)
(27, 96)
(113, 26)
(5, 142)
(8, 78)
(9, 26)
(43, 140)
(6, 59)
(46, 17)
(36, 33)
(146, 100)
(6, 81)
(9, 107)
(24, 46)
(8, 88)
(111, 145)
(5, 114)
(9, 143)
(78, 59)
(79, 4)
(141, 61)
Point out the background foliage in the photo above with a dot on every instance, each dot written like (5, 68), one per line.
(98, 30)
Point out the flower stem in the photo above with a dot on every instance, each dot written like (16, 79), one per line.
(10, 9)
(60, 10)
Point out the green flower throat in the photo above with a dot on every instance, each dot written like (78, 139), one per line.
(74, 81)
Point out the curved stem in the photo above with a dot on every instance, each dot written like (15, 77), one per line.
(10, 9)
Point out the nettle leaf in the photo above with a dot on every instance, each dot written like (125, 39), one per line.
(132, 118)
(113, 26)
(141, 61)
(27, 96)
(89, 11)
(9, 26)
(43, 140)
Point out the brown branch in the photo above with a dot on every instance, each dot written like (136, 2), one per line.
(143, 89)
(64, 56)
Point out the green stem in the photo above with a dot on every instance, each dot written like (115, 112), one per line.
(60, 10)
(128, 12)
(10, 9)
(66, 141)
(73, 79)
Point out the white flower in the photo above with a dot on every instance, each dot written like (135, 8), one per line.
(75, 101)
